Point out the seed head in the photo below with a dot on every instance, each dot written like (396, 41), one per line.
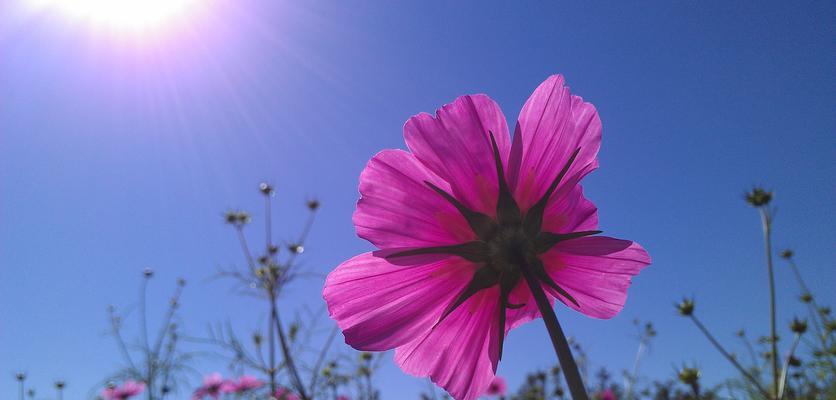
(786, 254)
(794, 362)
(758, 197)
(365, 356)
(806, 297)
(148, 272)
(257, 338)
(686, 307)
(20, 376)
(824, 311)
(181, 282)
(273, 249)
(60, 385)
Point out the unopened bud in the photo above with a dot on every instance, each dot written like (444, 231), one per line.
(265, 188)
(689, 376)
(798, 326)
(758, 197)
(686, 307)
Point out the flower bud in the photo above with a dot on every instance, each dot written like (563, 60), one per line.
(786, 254)
(273, 249)
(365, 356)
(794, 362)
(758, 197)
(806, 298)
(181, 282)
(689, 376)
(798, 326)
(265, 188)
(686, 307)
(313, 205)
(148, 272)
(296, 248)
(257, 338)
(60, 385)
(20, 376)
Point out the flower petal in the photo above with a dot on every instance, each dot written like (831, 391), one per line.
(398, 209)
(596, 271)
(380, 304)
(552, 124)
(569, 211)
(462, 352)
(455, 144)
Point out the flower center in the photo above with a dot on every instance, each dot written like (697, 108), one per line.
(510, 248)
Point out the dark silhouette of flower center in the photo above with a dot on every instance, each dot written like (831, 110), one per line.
(505, 245)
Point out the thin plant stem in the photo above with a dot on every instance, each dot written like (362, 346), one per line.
(766, 221)
(271, 337)
(631, 380)
(786, 368)
(288, 358)
(143, 320)
(561, 346)
(728, 356)
(315, 373)
(812, 306)
(245, 248)
(20, 381)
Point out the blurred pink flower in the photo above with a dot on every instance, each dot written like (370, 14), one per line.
(606, 395)
(497, 387)
(213, 386)
(127, 390)
(285, 394)
(343, 397)
(245, 383)
(457, 218)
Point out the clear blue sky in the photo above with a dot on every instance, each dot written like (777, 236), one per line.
(115, 156)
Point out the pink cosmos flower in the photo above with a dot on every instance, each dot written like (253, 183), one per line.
(245, 383)
(213, 386)
(127, 390)
(459, 218)
(497, 387)
(283, 393)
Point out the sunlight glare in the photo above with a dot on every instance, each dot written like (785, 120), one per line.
(123, 15)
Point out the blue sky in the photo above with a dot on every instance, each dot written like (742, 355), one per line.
(120, 153)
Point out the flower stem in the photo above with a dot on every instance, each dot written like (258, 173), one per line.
(766, 220)
(561, 346)
(784, 373)
(728, 356)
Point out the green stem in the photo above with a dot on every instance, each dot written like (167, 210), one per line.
(786, 369)
(561, 346)
(766, 221)
(729, 357)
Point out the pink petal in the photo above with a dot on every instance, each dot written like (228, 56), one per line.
(398, 209)
(462, 352)
(596, 271)
(455, 144)
(380, 304)
(569, 211)
(551, 125)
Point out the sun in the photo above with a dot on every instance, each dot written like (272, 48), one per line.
(121, 15)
